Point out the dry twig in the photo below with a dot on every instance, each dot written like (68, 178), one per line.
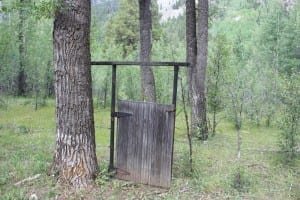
(27, 179)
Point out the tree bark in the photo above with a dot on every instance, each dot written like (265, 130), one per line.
(21, 77)
(191, 52)
(75, 159)
(148, 82)
(201, 66)
(49, 82)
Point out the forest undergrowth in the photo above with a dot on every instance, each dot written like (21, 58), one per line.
(27, 139)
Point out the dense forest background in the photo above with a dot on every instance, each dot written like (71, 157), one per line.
(253, 64)
(252, 85)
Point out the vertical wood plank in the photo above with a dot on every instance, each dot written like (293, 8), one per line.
(137, 135)
(122, 141)
(156, 145)
(165, 176)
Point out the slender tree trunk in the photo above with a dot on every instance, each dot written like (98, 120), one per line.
(148, 83)
(49, 83)
(105, 90)
(188, 132)
(201, 66)
(215, 96)
(191, 52)
(75, 155)
(239, 143)
(21, 77)
(214, 122)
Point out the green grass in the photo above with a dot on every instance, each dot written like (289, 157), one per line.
(27, 139)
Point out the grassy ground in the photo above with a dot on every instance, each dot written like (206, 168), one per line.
(27, 139)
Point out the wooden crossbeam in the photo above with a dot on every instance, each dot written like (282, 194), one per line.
(137, 63)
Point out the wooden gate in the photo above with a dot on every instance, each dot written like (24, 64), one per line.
(145, 142)
(145, 132)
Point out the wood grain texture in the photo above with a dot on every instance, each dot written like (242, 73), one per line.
(144, 143)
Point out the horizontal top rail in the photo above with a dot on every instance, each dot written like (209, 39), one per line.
(181, 64)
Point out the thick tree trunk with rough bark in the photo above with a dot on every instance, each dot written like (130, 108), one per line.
(201, 66)
(148, 82)
(191, 53)
(75, 159)
(21, 77)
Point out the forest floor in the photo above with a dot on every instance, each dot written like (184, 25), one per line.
(27, 139)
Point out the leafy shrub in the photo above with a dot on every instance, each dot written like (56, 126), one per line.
(240, 180)
(22, 129)
(103, 176)
(3, 105)
(289, 124)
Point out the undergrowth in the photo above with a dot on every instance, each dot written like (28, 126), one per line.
(27, 139)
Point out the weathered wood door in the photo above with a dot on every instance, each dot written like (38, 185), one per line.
(145, 143)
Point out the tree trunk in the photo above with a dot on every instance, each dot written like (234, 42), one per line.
(191, 52)
(214, 121)
(197, 57)
(75, 158)
(49, 83)
(148, 83)
(21, 77)
(201, 66)
(188, 132)
(239, 143)
(215, 96)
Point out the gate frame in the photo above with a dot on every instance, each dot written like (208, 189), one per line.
(115, 114)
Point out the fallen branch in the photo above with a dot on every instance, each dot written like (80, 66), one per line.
(27, 179)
